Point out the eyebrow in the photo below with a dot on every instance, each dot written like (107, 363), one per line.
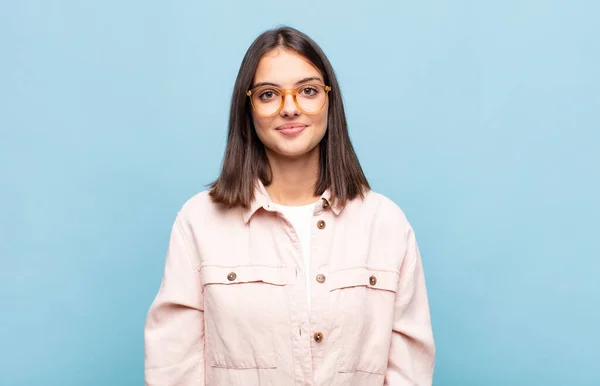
(295, 84)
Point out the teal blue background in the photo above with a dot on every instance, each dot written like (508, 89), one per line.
(480, 119)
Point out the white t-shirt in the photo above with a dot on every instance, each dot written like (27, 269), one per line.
(300, 217)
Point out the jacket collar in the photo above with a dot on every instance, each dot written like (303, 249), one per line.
(262, 200)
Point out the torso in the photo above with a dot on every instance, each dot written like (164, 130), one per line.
(260, 323)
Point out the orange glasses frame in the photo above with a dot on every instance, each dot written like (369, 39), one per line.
(294, 92)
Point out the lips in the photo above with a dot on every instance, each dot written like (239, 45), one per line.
(291, 128)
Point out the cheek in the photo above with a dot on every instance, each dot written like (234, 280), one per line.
(261, 125)
(321, 122)
(257, 121)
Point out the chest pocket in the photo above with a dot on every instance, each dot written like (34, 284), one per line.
(244, 307)
(363, 301)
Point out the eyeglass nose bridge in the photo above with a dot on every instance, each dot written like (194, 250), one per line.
(294, 93)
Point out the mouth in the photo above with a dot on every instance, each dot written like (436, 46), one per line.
(291, 128)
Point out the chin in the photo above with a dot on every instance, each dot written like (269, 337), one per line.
(295, 151)
(292, 154)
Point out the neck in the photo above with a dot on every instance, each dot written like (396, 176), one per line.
(293, 180)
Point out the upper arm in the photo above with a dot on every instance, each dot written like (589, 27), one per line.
(412, 350)
(174, 329)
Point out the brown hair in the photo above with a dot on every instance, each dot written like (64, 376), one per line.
(245, 158)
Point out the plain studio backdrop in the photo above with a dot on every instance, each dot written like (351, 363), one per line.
(479, 118)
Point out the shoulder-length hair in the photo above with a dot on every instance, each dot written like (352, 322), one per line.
(245, 158)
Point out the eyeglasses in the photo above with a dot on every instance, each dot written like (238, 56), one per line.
(268, 100)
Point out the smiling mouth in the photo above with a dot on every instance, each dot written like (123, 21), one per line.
(292, 129)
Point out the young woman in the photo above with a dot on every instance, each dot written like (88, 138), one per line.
(290, 270)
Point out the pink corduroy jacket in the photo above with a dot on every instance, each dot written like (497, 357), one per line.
(232, 307)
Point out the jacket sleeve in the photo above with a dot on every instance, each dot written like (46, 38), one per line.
(174, 329)
(412, 350)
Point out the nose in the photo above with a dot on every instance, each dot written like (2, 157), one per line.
(289, 107)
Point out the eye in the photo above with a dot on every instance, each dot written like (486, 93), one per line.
(309, 91)
(266, 95)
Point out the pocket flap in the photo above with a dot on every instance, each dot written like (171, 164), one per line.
(212, 274)
(363, 276)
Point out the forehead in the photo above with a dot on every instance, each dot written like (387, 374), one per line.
(284, 67)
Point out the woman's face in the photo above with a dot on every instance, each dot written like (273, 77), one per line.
(291, 132)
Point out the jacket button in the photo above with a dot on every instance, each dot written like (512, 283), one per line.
(231, 276)
(372, 280)
(318, 337)
(321, 224)
(325, 204)
(321, 278)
